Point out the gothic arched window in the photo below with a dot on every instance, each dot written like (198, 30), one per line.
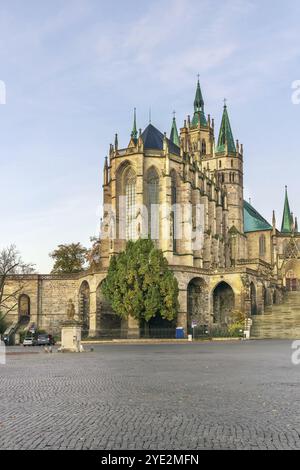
(153, 200)
(203, 147)
(130, 195)
(262, 245)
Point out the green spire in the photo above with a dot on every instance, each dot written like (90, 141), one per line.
(199, 102)
(174, 137)
(134, 133)
(199, 115)
(225, 135)
(286, 226)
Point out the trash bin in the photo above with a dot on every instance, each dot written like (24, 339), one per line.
(179, 333)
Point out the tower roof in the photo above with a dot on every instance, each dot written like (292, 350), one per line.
(253, 221)
(286, 226)
(199, 115)
(199, 102)
(154, 139)
(174, 137)
(225, 135)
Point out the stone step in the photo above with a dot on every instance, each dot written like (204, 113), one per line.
(279, 321)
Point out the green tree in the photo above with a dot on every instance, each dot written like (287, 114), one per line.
(139, 283)
(69, 258)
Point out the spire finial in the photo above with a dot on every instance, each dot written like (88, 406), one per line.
(174, 137)
(134, 132)
(150, 115)
(225, 102)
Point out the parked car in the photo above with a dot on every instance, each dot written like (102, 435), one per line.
(45, 340)
(29, 341)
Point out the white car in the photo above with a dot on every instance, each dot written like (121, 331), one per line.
(29, 341)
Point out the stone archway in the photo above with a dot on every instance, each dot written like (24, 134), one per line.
(253, 299)
(197, 302)
(108, 322)
(84, 305)
(24, 308)
(223, 303)
(291, 274)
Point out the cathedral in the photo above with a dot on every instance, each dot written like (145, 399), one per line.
(185, 190)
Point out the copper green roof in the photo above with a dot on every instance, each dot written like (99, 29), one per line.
(199, 115)
(287, 222)
(253, 221)
(225, 135)
(174, 133)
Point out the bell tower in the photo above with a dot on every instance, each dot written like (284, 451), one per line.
(229, 166)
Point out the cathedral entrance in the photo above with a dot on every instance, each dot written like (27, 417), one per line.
(223, 303)
(291, 271)
(292, 284)
(197, 308)
(291, 281)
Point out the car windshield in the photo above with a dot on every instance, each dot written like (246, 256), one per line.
(43, 336)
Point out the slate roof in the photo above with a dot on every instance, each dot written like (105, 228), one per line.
(154, 139)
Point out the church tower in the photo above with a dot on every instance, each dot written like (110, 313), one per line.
(229, 165)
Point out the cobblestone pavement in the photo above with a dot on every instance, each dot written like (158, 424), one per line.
(242, 395)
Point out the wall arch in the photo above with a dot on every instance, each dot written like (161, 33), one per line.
(197, 302)
(84, 304)
(24, 308)
(108, 322)
(223, 303)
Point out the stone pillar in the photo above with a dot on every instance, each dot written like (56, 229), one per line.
(133, 328)
(71, 337)
(93, 315)
(182, 312)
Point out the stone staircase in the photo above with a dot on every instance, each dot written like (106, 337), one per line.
(279, 321)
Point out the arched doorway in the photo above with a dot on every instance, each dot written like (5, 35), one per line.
(197, 302)
(253, 299)
(24, 308)
(108, 322)
(84, 305)
(223, 303)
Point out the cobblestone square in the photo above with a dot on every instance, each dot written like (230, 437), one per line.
(219, 395)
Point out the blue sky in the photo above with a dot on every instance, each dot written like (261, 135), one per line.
(75, 69)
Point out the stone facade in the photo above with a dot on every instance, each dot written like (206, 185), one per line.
(238, 264)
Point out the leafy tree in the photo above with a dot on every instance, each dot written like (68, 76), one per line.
(139, 283)
(11, 264)
(69, 258)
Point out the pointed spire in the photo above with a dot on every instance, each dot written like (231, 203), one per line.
(225, 139)
(174, 137)
(199, 102)
(274, 223)
(286, 226)
(134, 133)
(199, 115)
